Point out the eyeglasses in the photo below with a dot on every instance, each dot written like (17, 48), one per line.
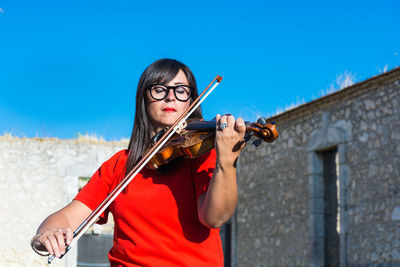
(160, 91)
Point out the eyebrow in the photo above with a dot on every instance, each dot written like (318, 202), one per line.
(181, 83)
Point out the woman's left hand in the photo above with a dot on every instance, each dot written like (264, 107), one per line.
(229, 139)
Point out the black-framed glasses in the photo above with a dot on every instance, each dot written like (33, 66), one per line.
(160, 91)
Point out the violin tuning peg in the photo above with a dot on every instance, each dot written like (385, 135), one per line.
(261, 121)
(257, 143)
(247, 136)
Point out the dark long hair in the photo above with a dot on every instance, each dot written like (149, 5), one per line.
(160, 71)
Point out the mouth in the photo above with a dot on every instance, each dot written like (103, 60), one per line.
(169, 109)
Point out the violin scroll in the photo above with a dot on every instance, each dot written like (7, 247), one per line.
(266, 131)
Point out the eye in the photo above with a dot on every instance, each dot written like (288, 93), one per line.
(182, 89)
(158, 89)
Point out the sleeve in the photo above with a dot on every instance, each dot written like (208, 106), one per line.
(103, 181)
(202, 171)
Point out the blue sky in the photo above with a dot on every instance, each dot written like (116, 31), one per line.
(69, 67)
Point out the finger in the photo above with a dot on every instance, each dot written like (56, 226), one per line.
(54, 245)
(223, 119)
(217, 122)
(240, 126)
(69, 235)
(230, 121)
(47, 245)
(222, 124)
(38, 242)
(217, 118)
(61, 241)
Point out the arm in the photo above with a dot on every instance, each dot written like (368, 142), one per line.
(218, 204)
(57, 229)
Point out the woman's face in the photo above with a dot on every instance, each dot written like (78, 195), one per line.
(163, 113)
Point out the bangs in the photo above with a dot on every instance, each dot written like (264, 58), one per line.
(163, 71)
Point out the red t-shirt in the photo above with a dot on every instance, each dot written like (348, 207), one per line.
(156, 221)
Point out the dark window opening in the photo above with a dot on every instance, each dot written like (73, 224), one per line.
(331, 207)
(225, 233)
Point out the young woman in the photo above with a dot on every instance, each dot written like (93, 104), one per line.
(165, 217)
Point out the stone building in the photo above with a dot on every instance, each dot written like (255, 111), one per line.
(327, 192)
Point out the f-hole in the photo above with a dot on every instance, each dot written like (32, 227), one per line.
(331, 211)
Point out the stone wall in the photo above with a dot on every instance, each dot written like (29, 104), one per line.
(38, 177)
(281, 204)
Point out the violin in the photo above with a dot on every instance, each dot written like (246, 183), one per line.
(197, 138)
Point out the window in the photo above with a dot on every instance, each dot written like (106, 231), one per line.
(331, 200)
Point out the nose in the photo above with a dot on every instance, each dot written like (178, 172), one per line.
(170, 95)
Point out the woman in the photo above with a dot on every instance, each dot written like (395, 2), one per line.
(165, 217)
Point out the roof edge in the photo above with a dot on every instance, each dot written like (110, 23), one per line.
(355, 89)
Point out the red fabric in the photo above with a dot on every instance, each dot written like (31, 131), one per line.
(156, 221)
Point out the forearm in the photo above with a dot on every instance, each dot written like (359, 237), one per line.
(56, 230)
(219, 202)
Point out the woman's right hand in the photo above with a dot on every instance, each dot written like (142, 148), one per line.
(54, 240)
(56, 232)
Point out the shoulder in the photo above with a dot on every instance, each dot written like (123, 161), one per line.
(120, 155)
(117, 161)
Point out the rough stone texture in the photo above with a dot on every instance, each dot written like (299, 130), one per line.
(278, 216)
(38, 177)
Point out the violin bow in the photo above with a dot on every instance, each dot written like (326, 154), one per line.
(91, 219)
